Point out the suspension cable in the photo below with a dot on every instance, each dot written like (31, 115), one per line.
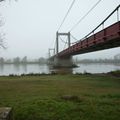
(102, 23)
(85, 15)
(74, 37)
(62, 40)
(65, 44)
(66, 14)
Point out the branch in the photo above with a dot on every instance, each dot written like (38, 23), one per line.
(2, 0)
(2, 44)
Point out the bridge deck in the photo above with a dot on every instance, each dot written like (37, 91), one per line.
(104, 39)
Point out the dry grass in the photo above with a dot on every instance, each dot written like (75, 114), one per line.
(39, 97)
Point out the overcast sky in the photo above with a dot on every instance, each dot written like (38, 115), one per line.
(31, 25)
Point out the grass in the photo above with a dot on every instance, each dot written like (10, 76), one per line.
(93, 97)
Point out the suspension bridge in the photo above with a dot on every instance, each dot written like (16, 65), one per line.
(106, 38)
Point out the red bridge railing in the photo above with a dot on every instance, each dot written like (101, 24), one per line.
(108, 37)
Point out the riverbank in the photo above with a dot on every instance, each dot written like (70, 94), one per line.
(62, 97)
(63, 72)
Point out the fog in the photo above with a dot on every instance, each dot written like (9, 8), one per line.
(31, 25)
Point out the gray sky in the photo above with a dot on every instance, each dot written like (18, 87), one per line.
(31, 25)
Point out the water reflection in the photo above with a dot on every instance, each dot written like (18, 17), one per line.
(1, 68)
(96, 68)
(60, 70)
(6, 69)
(16, 67)
(24, 67)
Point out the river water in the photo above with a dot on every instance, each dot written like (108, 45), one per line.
(8, 69)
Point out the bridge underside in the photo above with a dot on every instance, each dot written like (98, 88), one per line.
(66, 61)
(101, 46)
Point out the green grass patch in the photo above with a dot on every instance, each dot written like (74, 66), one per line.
(89, 97)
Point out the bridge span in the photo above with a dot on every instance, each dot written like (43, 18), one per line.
(104, 39)
(107, 38)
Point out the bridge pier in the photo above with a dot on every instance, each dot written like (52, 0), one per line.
(63, 62)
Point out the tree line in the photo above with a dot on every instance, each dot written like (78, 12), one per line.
(98, 61)
(24, 60)
(114, 60)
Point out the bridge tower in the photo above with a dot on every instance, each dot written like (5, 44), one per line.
(57, 40)
(64, 61)
(49, 51)
(51, 61)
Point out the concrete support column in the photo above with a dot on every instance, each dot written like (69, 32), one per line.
(63, 62)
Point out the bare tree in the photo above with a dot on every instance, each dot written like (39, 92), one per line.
(2, 44)
(2, 0)
(2, 35)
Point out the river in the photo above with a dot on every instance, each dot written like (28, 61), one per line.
(7, 69)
